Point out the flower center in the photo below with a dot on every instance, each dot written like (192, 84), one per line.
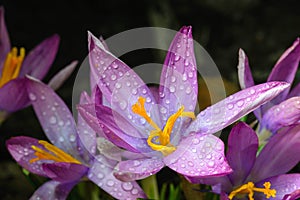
(53, 153)
(249, 189)
(12, 65)
(162, 141)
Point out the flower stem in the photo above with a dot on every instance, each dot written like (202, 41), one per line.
(149, 186)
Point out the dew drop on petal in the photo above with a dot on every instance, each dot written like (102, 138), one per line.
(113, 77)
(72, 138)
(32, 97)
(110, 183)
(172, 89)
(252, 91)
(123, 104)
(100, 175)
(127, 186)
(61, 139)
(211, 164)
(188, 90)
(118, 85)
(230, 106)
(240, 103)
(52, 120)
(134, 191)
(43, 97)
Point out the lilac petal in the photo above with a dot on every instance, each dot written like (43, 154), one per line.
(178, 81)
(218, 184)
(104, 121)
(231, 109)
(285, 114)
(21, 150)
(53, 190)
(244, 71)
(13, 95)
(283, 184)
(102, 175)
(37, 63)
(241, 154)
(293, 196)
(199, 156)
(280, 155)
(245, 76)
(130, 170)
(62, 75)
(295, 91)
(55, 117)
(4, 39)
(86, 134)
(119, 84)
(285, 70)
(65, 172)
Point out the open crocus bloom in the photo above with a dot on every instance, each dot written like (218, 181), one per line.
(260, 177)
(159, 123)
(14, 65)
(72, 154)
(285, 108)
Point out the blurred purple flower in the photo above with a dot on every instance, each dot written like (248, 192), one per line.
(159, 123)
(266, 171)
(73, 153)
(14, 67)
(284, 110)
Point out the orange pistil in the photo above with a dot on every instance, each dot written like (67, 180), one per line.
(12, 65)
(53, 153)
(163, 135)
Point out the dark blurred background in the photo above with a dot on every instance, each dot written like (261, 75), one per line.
(264, 29)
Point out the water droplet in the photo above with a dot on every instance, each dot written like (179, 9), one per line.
(134, 91)
(134, 191)
(113, 77)
(186, 63)
(32, 97)
(110, 183)
(115, 65)
(182, 165)
(61, 139)
(72, 138)
(163, 110)
(191, 74)
(184, 77)
(177, 57)
(123, 104)
(127, 186)
(43, 97)
(136, 163)
(128, 84)
(52, 120)
(196, 141)
(118, 85)
(120, 74)
(172, 89)
(144, 91)
(194, 150)
(230, 106)
(190, 163)
(173, 79)
(188, 90)
(211, 164)
(240, 103)
(252, 91)
(100, 175)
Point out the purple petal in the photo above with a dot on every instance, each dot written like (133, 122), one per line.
(102, 175)
(130, 170)
(295, 91)
(285, 70)
(105, 122)
(53, 190)
(65, 172)
(283, 184)
(231, 109)
(62, 75)
(86, 134)
(199, 156)
(241, 154)
(293, 196)
(219, 184)
(178, 81)
(245, 76)
(37, 63)
(21, 150)
(244, 71)
(13, 95)
(285, 114)
(119, 84)
(55, 117)
(280, 155)
(4, 39)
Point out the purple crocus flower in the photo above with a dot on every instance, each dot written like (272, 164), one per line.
(159, 123)
(14, 65)
(284, 110)
(72, 154)
(261, 177)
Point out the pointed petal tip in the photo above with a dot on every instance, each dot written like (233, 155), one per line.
(187, 30)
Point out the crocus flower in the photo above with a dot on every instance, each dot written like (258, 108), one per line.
(14, 65)
(284, 110)
(261, 177)
(72, 154)
(160, 124)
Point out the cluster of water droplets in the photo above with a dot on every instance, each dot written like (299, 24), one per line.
(198, 156)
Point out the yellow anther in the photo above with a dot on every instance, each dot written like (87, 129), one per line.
(249, 189)
(53, 153)
(163, 136)
(12, 65)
